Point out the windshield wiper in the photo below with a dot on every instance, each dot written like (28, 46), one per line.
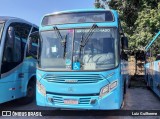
(62, 40)
(85, 39)
(58, 33)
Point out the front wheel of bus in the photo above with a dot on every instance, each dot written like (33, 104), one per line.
(31, 91)
(30, 94)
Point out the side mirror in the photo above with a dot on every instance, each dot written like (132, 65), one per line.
(33, 44)
(124, 41)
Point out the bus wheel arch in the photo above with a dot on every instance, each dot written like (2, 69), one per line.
(30, 96)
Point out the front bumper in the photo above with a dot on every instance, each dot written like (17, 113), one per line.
(108, 102)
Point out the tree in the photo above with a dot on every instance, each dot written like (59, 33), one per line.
(140, 19)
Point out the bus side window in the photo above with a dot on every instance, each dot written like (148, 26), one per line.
(34, 44)
(9, 45)
(24, 36)
(12, 55)
(34, 29)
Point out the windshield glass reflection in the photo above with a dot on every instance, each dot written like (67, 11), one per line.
(100, 51)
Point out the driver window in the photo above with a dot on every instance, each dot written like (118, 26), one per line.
(53, 48)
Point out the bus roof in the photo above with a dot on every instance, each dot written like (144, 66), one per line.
(7, 18)
(59, 18)
(78, 10)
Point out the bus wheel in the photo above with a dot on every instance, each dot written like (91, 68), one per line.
(31, 92)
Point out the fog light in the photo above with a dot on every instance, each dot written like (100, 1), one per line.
(51, 100)
(93, 101)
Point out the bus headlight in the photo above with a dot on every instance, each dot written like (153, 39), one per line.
(113, 85)
(41, 88)
(106, 89)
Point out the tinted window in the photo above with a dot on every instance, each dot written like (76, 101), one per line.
(35, 42)
(15, 42)
(34, 38)
(78, 17)
(34, 29)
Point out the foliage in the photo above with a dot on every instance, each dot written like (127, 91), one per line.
(140, 20)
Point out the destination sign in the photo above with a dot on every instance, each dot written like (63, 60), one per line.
(78, 17)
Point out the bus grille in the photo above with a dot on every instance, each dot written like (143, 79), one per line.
(85, 78)
(82, 101)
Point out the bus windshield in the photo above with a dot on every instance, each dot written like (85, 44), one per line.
(1, 29)
(99, 52)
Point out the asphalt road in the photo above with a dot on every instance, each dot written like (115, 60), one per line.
(136, 98)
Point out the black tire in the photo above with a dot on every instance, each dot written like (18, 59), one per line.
(31, 93)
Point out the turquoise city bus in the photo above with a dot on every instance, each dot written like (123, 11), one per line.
(17, 67)
(81, 60)
(152, 65)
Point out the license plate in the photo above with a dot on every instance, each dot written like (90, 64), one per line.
(73, 102)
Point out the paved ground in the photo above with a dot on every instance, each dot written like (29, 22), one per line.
(141, 99)
(136, 98)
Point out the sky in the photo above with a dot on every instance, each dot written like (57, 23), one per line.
(34, 10)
